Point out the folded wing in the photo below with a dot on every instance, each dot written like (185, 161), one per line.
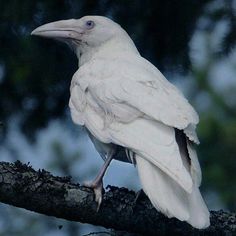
(136, 107)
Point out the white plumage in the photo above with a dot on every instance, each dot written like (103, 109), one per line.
(126, 104)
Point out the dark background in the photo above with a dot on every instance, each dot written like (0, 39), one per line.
(191, 41)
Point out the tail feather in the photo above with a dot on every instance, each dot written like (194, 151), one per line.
(169, 198)
(199, 214)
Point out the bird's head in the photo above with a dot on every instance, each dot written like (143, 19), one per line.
(82, 34)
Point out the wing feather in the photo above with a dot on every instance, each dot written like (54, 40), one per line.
(137, 108)
(156, 143)
(138, 84)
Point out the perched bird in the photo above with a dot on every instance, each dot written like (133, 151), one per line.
(133, 114)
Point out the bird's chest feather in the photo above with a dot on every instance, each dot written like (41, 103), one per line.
(82, 98)
(90, 89)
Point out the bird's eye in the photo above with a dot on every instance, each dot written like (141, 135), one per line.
(89, 24)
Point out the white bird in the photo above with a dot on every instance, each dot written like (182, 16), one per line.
(133, 114)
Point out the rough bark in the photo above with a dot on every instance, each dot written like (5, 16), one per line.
(39, 191)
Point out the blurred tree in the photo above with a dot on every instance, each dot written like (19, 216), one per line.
(36, 73)
(215, 89)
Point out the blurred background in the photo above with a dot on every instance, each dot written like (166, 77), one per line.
(191, 41)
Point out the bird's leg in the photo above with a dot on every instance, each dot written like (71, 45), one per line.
(97, 183)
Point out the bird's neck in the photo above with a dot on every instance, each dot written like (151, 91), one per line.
(111, 49)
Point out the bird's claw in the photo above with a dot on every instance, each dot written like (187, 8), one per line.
(97, 189)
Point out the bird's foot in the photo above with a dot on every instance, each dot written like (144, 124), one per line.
(97, 187)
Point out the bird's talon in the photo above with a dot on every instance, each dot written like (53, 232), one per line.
(88, 184)
(97, 189)
(98, 195)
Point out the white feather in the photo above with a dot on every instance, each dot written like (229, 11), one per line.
(123, 99)
(190, 132)
(139, 85)
(128, 106)
(195, 168)
(156, 143)
(169, 198)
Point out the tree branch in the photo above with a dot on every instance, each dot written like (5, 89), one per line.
(39, 191)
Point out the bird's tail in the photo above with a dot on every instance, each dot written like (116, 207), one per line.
(171, 199)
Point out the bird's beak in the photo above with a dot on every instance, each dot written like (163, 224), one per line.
(63, 29)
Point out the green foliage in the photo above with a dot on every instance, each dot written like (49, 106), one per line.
(218, 152)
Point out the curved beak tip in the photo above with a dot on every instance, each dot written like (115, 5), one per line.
(37, 31)
(33, 32)
(57, 30)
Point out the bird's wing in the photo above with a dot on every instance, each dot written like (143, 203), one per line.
(138, 84)
(195, 168)
(158, 107)
(155, 142)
